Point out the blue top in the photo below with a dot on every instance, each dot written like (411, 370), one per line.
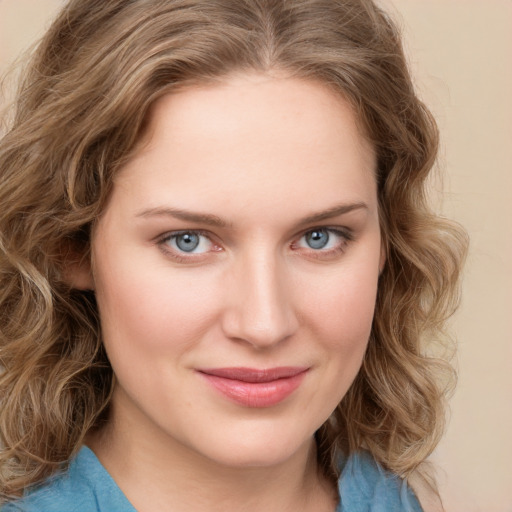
(87, 487)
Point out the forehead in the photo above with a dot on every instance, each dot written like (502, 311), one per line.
(251, 103)
(251, 139)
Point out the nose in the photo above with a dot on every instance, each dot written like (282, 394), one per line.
(260, 299)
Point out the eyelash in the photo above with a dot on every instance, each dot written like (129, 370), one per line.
(183, 257)
(345, 235)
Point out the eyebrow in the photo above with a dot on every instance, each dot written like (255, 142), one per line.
(335, 211)
(215, 221)
(186, 215)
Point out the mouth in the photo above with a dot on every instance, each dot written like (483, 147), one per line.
(252, 387)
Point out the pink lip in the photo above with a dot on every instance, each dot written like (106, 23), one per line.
(255, 388)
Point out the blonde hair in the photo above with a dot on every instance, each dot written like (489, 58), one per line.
(80, 110)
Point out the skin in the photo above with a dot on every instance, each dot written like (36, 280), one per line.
(258, 154)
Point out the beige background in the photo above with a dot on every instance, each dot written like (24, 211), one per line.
(461, 55)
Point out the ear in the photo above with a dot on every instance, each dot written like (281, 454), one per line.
(79, 276)
(76, 269)
(383, 257)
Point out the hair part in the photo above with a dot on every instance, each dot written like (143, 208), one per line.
(80, 111)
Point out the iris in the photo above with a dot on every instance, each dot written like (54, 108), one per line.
(187, 242)
(317, 239)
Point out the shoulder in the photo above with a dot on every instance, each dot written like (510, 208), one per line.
(364, 486)
(84, 487)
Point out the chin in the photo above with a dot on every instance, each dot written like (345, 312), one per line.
(263, 449)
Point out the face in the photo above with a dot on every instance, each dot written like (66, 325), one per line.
(236, 268)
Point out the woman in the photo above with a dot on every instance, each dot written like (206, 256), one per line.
(220, 275)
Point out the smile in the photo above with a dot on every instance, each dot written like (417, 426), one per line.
(255, 388)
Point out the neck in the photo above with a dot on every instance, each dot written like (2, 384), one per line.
(156, 472)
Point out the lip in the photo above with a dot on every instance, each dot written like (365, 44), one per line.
(252, 387)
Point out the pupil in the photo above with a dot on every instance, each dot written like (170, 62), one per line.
(187, 242)
(317, 239)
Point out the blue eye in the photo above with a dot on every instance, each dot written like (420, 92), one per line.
(317, 239)
(189, 242)
(324, 240)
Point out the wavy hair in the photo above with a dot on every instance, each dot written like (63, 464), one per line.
(79, 112)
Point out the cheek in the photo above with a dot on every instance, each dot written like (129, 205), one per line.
(150, 309)
(341, 313)
(338, 313)
(343, 307)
